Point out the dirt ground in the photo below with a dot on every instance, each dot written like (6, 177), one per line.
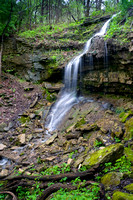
(15, 97)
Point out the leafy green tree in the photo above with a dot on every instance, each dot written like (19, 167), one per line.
(5, 19)
(126, 4)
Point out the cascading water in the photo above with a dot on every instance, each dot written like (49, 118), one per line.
(68, 95)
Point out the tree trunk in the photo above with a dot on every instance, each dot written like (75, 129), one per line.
(1, 50)
(99, 5)
(2, 36)
(78, 12)
(70, 12)
(42, 11)
(46, 9)
(84, 8)
(88, 8)
(49, 12)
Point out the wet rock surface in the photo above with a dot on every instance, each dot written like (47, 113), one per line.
(98, 131)
(98, 127)
(108, 66)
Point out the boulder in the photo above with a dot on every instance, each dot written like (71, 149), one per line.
(10, 125)
(128, 135)
(111, 179)
(21, 138)
(4, 172)
(51, 139)
(2, 127)
(122, 196)
(128, 153)
(129, 187)
(87, 127)
(78, 161)
(107, 154)
(2, 146)
(53, 87)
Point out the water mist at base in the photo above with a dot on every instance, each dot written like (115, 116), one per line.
(68, 96)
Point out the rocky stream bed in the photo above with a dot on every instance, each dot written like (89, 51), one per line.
(92, 137)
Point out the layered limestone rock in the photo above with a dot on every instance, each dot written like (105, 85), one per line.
(108, 66)
(30, 61)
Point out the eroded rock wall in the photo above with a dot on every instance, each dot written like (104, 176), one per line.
(108, 66)
(31, 62)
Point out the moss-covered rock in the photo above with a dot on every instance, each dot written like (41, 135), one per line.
(124, 115)
(108, 154)
(80, 123)
(128, 153)
(111, 179)
(122, 196)
(128, 135)
(87, 127)
(129, 187)
(2, 126)
(117, 131)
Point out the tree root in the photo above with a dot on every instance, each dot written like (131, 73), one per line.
(21, 180)
(10, 193)
(88, 173)
(54, 188)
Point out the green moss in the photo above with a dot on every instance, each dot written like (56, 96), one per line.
(50, 97)
(17, 143)
(22, 154)
(111, 179)
(24, 119)
(24, 131)
(129, 187)
(80, 122)
(11, 139)
(118, 30)
(124, 115)
(121, 115)
(128, 135)
(110, 153)
(128, 153)
(122, 196)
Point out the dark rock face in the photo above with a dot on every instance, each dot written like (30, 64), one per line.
(108, 67)
(29, 61)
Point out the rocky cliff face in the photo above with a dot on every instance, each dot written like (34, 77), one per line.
(42, 58)
(108, 66)
(28, 60)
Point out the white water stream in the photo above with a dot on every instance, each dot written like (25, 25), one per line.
(68, 95)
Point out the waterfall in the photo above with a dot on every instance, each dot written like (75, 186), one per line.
(68, 95)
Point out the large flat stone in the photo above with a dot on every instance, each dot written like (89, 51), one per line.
(108, 154)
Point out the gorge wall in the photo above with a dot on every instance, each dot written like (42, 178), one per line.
(107, 67)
